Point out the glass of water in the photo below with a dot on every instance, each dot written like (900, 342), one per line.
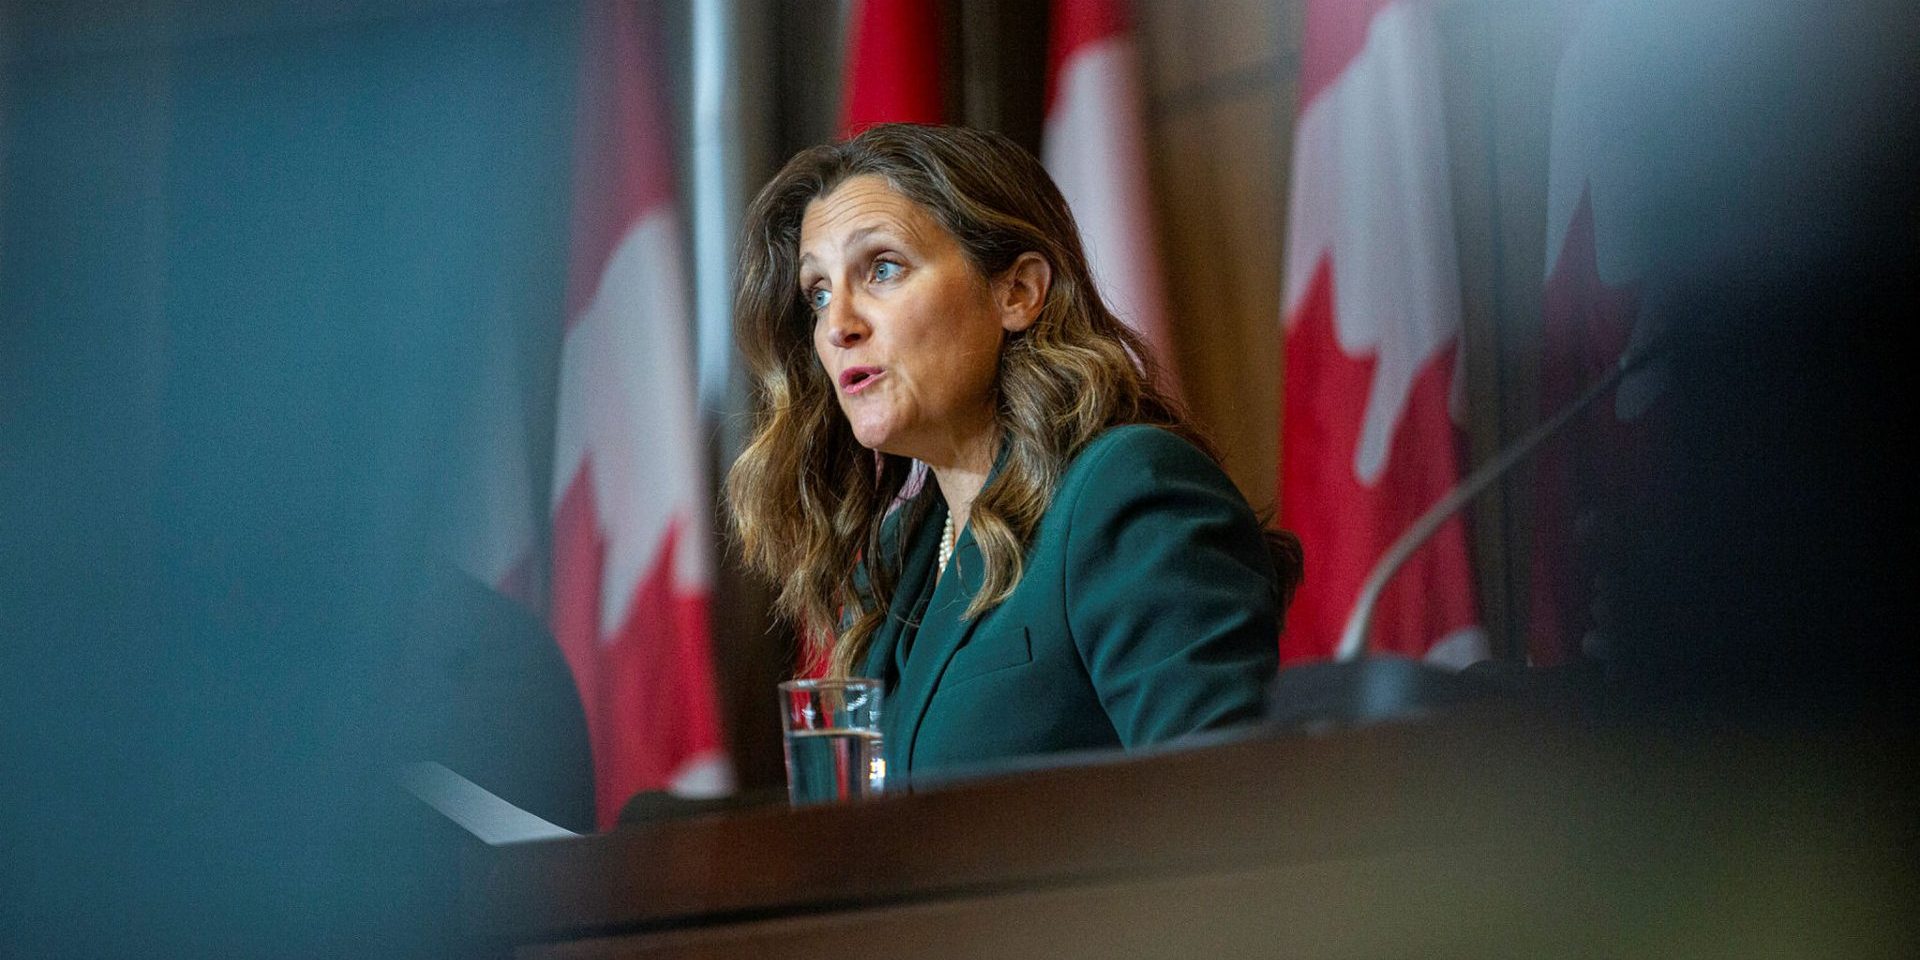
(833, 740)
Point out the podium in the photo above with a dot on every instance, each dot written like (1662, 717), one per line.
(1485, 833)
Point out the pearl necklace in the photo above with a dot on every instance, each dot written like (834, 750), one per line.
(946, 543)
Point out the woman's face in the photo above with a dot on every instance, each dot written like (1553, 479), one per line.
(905, 327)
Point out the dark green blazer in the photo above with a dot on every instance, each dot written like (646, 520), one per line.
(1148, 610)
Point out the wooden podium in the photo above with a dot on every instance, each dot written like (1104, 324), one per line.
(1488, 833)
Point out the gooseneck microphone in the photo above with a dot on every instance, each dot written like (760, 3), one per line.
(1353, 639)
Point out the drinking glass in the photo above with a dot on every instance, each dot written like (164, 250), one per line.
(833, 744)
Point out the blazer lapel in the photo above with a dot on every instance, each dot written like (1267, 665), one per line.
(896, 635)
(942, 633)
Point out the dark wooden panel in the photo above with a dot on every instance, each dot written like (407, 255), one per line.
(1222, 169)
(1238, 805)
(1485, 835)
(1221, 96)
(1448, 905)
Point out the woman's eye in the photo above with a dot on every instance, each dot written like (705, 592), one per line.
(818, 298)
(886, 270)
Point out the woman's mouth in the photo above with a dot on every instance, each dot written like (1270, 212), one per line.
(855, 379)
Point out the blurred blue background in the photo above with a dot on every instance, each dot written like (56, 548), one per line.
(247, 260)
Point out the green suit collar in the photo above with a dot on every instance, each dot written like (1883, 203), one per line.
(918, 642)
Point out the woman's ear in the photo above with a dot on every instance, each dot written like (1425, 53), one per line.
(1022, 290)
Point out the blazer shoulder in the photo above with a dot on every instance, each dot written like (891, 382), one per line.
(1140, 454)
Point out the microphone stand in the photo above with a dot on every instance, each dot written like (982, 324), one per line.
(1353, 639)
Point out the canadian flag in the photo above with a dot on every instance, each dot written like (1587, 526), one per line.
(893, 64)
(1094, 145)
(1598, 301)
(1372, 306)
(631, 552)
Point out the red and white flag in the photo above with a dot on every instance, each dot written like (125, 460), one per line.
(1372, 335)
(1601, 179)
(893, 65)
(1095, 147)
(631, 552)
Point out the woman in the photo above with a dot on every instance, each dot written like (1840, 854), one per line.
(1074, 571)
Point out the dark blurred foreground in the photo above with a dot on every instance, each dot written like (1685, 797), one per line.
(249, 260)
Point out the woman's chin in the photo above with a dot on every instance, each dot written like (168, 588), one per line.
(873, 438)
(876, 433)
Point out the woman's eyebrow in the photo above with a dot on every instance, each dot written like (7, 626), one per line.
(885, 231)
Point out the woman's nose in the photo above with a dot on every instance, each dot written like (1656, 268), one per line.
(843, 328)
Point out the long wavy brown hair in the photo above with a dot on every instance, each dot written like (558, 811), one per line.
(807, 499)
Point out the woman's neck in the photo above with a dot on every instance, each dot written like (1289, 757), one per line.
(962, 476)
(959, 487)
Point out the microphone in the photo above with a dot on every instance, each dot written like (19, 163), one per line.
(1353, 639)
(1352, 690)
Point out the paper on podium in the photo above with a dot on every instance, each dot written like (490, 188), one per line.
(493, 820)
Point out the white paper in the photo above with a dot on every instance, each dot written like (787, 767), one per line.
(480, 813)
